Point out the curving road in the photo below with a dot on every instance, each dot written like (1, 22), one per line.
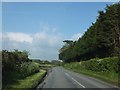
(62, 78)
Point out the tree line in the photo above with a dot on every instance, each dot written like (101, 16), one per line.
(102, 38)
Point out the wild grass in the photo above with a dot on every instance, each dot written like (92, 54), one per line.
(28, 82)
(27, 69)
(98, 71)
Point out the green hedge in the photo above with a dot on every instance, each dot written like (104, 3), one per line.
(102, 65)
(28, 68)
(110, 64)
(106, 69)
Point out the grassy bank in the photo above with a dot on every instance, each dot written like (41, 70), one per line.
(26, 69)
(18, 71)
(105, 69)
(28, 77)
(28, 82)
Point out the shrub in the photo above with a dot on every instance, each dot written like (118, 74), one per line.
(110, 64)
(103, 65)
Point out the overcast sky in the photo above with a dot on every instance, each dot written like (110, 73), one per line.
(40, 28)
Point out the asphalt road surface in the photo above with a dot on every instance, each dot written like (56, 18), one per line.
(62, 78)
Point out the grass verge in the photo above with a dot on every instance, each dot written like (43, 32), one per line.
(107, 77)
(29, 82)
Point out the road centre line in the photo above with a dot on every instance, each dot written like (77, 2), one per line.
(74, 80)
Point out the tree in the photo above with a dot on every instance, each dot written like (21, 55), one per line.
(102, 38)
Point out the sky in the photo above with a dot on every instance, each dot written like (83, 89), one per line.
(41, 27)
(59, 0)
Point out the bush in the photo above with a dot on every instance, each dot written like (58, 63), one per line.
(15, 65)
(102, 65)
(28, 68)
(110, 64)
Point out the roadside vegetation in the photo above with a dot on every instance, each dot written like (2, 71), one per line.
(105, 69)
(102, 38)
(97, 52)
(29, 82)
(18, 71)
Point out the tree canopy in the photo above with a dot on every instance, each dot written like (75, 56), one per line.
(102, 38)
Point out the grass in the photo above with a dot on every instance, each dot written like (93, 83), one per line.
(26, 69)
(102, 76)
(108, 76)
(46, 65)
(29, 77)
(29, 82)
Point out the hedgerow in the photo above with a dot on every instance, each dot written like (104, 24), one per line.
(102, 65)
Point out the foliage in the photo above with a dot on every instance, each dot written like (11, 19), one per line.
(100, 40)
(98, 65)
(56, 62)
(28, 68)
(12, 60)
(102, 65)
(106, 68)
(27, 83)
(15, 65)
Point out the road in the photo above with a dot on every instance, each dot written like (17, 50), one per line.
(62, 78)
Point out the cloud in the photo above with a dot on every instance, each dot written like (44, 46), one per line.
(44, 44)
(18, 37)
(46, 38)
(76, 36)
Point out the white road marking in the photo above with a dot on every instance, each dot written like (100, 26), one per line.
(67, 74)
(74, 80)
